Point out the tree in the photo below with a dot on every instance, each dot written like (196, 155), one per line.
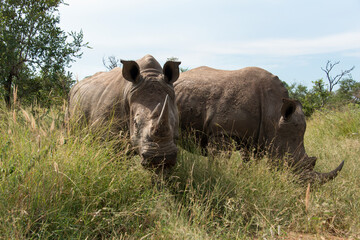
(296, 91)
(357, 96)
(112, 62)
(34, 50)
(334, 80)
(312, 99)
(322, 95)
(348, 90)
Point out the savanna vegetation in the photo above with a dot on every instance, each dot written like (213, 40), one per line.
(60, 181)
(336, 90)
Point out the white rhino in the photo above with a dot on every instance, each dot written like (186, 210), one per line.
(138, 98)
(250, 106)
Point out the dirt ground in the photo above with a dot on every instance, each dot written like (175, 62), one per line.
(304, 236)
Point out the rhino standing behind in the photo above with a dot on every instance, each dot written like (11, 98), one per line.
(252, 107)
(139, 97)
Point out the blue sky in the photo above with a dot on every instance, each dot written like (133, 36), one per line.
(291, 39)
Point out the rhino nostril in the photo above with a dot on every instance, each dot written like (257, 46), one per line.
(155, 161)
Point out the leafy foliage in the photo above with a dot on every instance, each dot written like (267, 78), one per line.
(35, 51)
(349, 90)
(320, 97)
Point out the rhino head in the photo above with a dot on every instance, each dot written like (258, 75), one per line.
(153, 115)
(289, 140)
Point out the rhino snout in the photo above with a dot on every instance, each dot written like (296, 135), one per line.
(159, 160)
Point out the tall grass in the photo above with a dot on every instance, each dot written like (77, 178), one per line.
(56, 183)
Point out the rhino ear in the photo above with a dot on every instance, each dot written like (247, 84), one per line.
(288, 108)
(171, 71)
(130, 71)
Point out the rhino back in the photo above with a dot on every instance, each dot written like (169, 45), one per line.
(98, 96)
(229, 102)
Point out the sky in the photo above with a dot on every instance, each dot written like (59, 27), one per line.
(292, 39)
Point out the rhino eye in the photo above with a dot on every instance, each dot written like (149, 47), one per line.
(136, 123)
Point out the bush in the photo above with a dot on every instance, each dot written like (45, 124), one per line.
(319, 97)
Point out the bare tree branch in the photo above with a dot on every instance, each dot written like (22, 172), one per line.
(111, 62)
(333, 81)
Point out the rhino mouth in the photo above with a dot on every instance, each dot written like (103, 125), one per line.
(158, 161)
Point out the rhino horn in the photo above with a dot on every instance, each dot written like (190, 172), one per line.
(322, 178)
(164, 115)
(156, 112)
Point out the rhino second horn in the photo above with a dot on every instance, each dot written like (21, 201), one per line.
(325, 177)
(164, 115)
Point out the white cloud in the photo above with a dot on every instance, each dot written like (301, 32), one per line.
(277, 47)
(220, 54)
(287, 47)
(275, 34)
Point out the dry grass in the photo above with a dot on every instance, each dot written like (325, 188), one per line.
(59, 185)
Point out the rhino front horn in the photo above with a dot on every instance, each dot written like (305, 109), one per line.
(164, 115)
(322, 178)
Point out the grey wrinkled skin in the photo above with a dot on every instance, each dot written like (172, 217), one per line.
(250, 106)
(140, 99)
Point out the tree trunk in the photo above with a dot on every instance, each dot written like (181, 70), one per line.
(7, 88)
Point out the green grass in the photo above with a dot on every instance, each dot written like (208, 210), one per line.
(57, 183)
